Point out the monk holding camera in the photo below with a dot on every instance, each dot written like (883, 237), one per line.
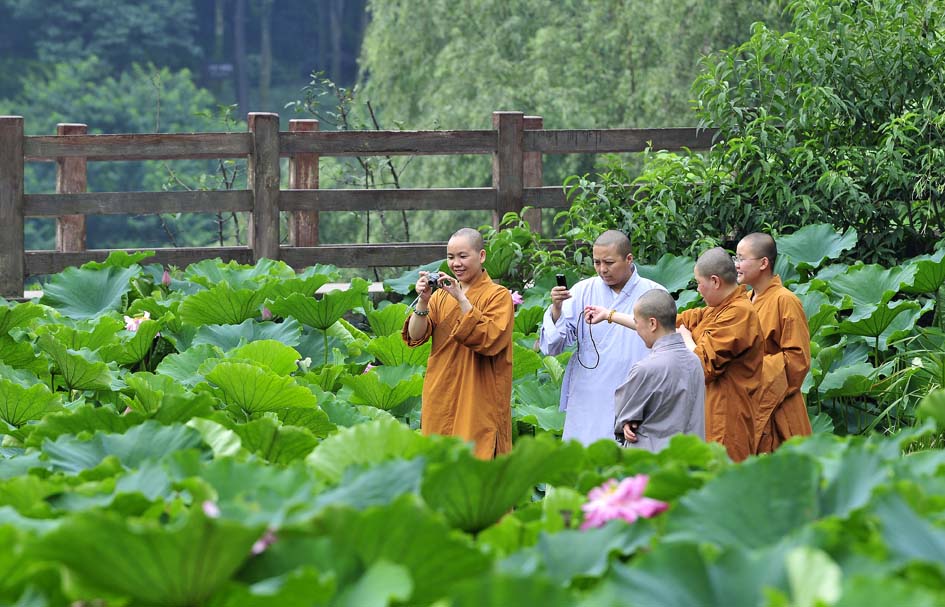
(467, 391)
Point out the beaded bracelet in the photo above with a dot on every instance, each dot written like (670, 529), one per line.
(423, 313)
(610, 317)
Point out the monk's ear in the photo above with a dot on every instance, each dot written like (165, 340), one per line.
(482, 256)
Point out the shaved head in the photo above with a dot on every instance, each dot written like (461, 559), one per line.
(618, 240)
(658, 304)
(716, 262)
(473, 237)
(762, 245)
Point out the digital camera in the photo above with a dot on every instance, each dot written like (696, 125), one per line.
(432, 279)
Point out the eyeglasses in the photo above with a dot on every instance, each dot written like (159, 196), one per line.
(739, 259)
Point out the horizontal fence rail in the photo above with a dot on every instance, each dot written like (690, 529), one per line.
(516, 143)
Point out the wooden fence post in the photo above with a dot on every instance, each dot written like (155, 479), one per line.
(263, 177)
(11, 206)
(71, 178)
(532, 171)
(303, 175)
(508, 164)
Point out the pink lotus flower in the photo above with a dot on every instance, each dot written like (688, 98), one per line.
(166, 279)
(623, 500)
(368, 368)
(268, 539)
(517, 298)
(210, 509)
(266, 313)
(132, 323)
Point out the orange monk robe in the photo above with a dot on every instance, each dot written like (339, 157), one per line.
(728, 343)
(467, 391)
(782, 412)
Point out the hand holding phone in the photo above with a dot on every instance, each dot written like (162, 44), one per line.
(561, 280)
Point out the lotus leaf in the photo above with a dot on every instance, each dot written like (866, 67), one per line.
(268, 353)
(406, 282)
(274, 442)
(383, 584)
(673, 272)
(852, 482)
(525, 361)
(533, 391)
(903, 325)
(528, 320)
(392, 351)
(222, 305)
(909, 536)
(871, 589)
(510, 589)
(83, 420)
(13, 315)
(867, 287)
(548, 419)
(254, 389)
(210, 272)
(932, 406)
(389, 319)
(810, 246)
(19, 405)
(324, 312)
(710, 514)
(21, 355)
(929, 273)
(133, 349)
(875, 322)
(227, 337)
(149, 440)
(371, 537)
(119, 259)
(466, 491)
(687, 299)
(80, 369)
(87, 293)
(375, 486)
(384, 387)
(853, 380)
(369, 444)
(818, 309)
(177, 564)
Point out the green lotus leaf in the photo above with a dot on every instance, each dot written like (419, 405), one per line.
(210, 272)
(86, 293)
(389, 319)
(306, 283)
(536, 402)
(546, 418)
(819, 310)
(789, 484)
(227, 337)
(275, 443)
(686, 575)
(314, 419)
(852, 482)
(932, 406)
(80, 369)
(528, 320)
(382, 584)
(385, 387)
(870, 589)
(269, 353)
(119, 259)
(184, 367)
(392, 351)
(21, 355)
(164, 399)
(176, 564)
(19, 405)
(324, 312)
(673, 272)
(810, 246)
(82, 421)
(406, 282)
(254, 389)
(929, 273)
(877, 320)
(149, 440)
(129, 494)
(370, 536)
(813, 576)
(573, 553)
(688, 299)
(525, 361)
(555, 365)
(222, 305)
(370, 443)
(467, 494)
(135, 347)
(909, 536)
(866, 287)
(904, 324)
(302, 586)
(90, 333)
(375, 486)
(15, 315)
(852, 380)
(510, 589)
(342, 413)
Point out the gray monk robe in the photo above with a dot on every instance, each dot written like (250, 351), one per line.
(665, 392)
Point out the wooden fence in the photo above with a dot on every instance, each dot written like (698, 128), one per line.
(516, 143)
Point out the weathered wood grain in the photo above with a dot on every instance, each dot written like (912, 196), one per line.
(389, 200)
(11, 206)
(387, 143)
(303, 175)
(145, 146)
(413, 254)
(263, 180)
(599, 141)
(508, 169)
(138, 203)
(71, 178)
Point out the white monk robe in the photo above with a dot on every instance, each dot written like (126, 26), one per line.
(665, 392)
(587, 395)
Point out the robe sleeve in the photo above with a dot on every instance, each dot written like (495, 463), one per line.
(690, 317)
(795, 346)
(487, 331)
(724, 341)
(632, 400)
(554, 337)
